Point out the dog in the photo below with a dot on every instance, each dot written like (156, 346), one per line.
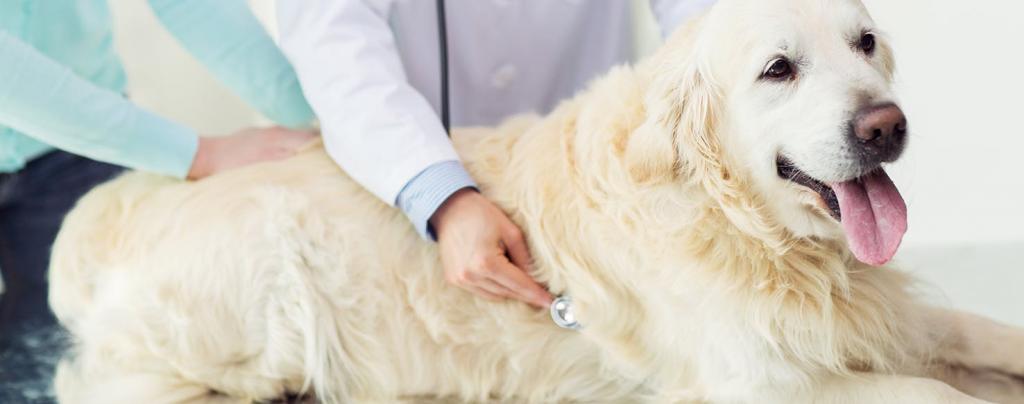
(719, 213)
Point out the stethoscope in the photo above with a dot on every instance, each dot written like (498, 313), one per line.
(561, 308)
(442, 38)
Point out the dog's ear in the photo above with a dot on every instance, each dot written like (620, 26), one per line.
(699, 146)
(887, 57)
(651, 152)
(679, 127)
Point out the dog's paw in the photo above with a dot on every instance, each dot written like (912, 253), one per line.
(994, 386)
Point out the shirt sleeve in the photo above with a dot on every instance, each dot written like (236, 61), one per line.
(375, 125)
(422, 196)
(44, 99)
(227, 38)
(672, 13)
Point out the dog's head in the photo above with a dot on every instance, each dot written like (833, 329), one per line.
(785, 108)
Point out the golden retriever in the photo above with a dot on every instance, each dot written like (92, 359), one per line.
(718, 213)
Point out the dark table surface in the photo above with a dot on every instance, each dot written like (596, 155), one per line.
(28, 358)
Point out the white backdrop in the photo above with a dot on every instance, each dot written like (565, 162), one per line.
(163, 77)
(961, 75)
(962, 80)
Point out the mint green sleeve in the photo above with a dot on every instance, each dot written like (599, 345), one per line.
(226, 37)
(45, 100)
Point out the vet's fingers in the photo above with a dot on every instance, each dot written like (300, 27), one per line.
(521, 285)
(301, 138)
(518, 252)
(489, 291)
(495, 289)
(291, 141)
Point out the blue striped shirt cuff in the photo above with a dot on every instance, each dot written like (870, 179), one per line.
(421, 197)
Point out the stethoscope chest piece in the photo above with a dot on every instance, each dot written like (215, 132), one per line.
(562, 313)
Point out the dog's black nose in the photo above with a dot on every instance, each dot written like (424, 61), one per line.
(881, 130)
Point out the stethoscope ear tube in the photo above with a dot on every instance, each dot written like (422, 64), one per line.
(442, 38)
(561, 309)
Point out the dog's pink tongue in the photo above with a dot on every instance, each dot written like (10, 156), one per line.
(874, 217)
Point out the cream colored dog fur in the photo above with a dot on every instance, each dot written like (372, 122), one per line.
(652, 199)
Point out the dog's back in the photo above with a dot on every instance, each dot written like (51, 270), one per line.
(157, 271)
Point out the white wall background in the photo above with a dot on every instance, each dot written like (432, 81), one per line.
(961, 77)
(164, 77)
(962, 80)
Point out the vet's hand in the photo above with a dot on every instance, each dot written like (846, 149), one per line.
(248, 146)
(477, 242)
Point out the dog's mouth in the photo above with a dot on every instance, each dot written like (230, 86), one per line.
(789, 171)
(870, 208)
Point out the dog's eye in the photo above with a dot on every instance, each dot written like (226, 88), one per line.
(867, 43)
(778, 70)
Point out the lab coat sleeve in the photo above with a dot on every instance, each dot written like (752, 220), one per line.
(672, 13)
(375, 125)
(46, 100)
(227, 38)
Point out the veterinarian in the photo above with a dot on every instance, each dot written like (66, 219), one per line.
(371, 71)
(66, 126)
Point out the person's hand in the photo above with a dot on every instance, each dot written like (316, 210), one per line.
(477, 240)
(248, 146)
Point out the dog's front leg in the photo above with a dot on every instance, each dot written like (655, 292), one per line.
(975, 342)
(872, 388)
(977, 355)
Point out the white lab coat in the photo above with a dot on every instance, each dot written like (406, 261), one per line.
(370, 69)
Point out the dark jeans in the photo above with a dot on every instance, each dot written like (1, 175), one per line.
(33, 203)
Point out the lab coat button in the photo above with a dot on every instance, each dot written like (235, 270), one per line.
(504, 76)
